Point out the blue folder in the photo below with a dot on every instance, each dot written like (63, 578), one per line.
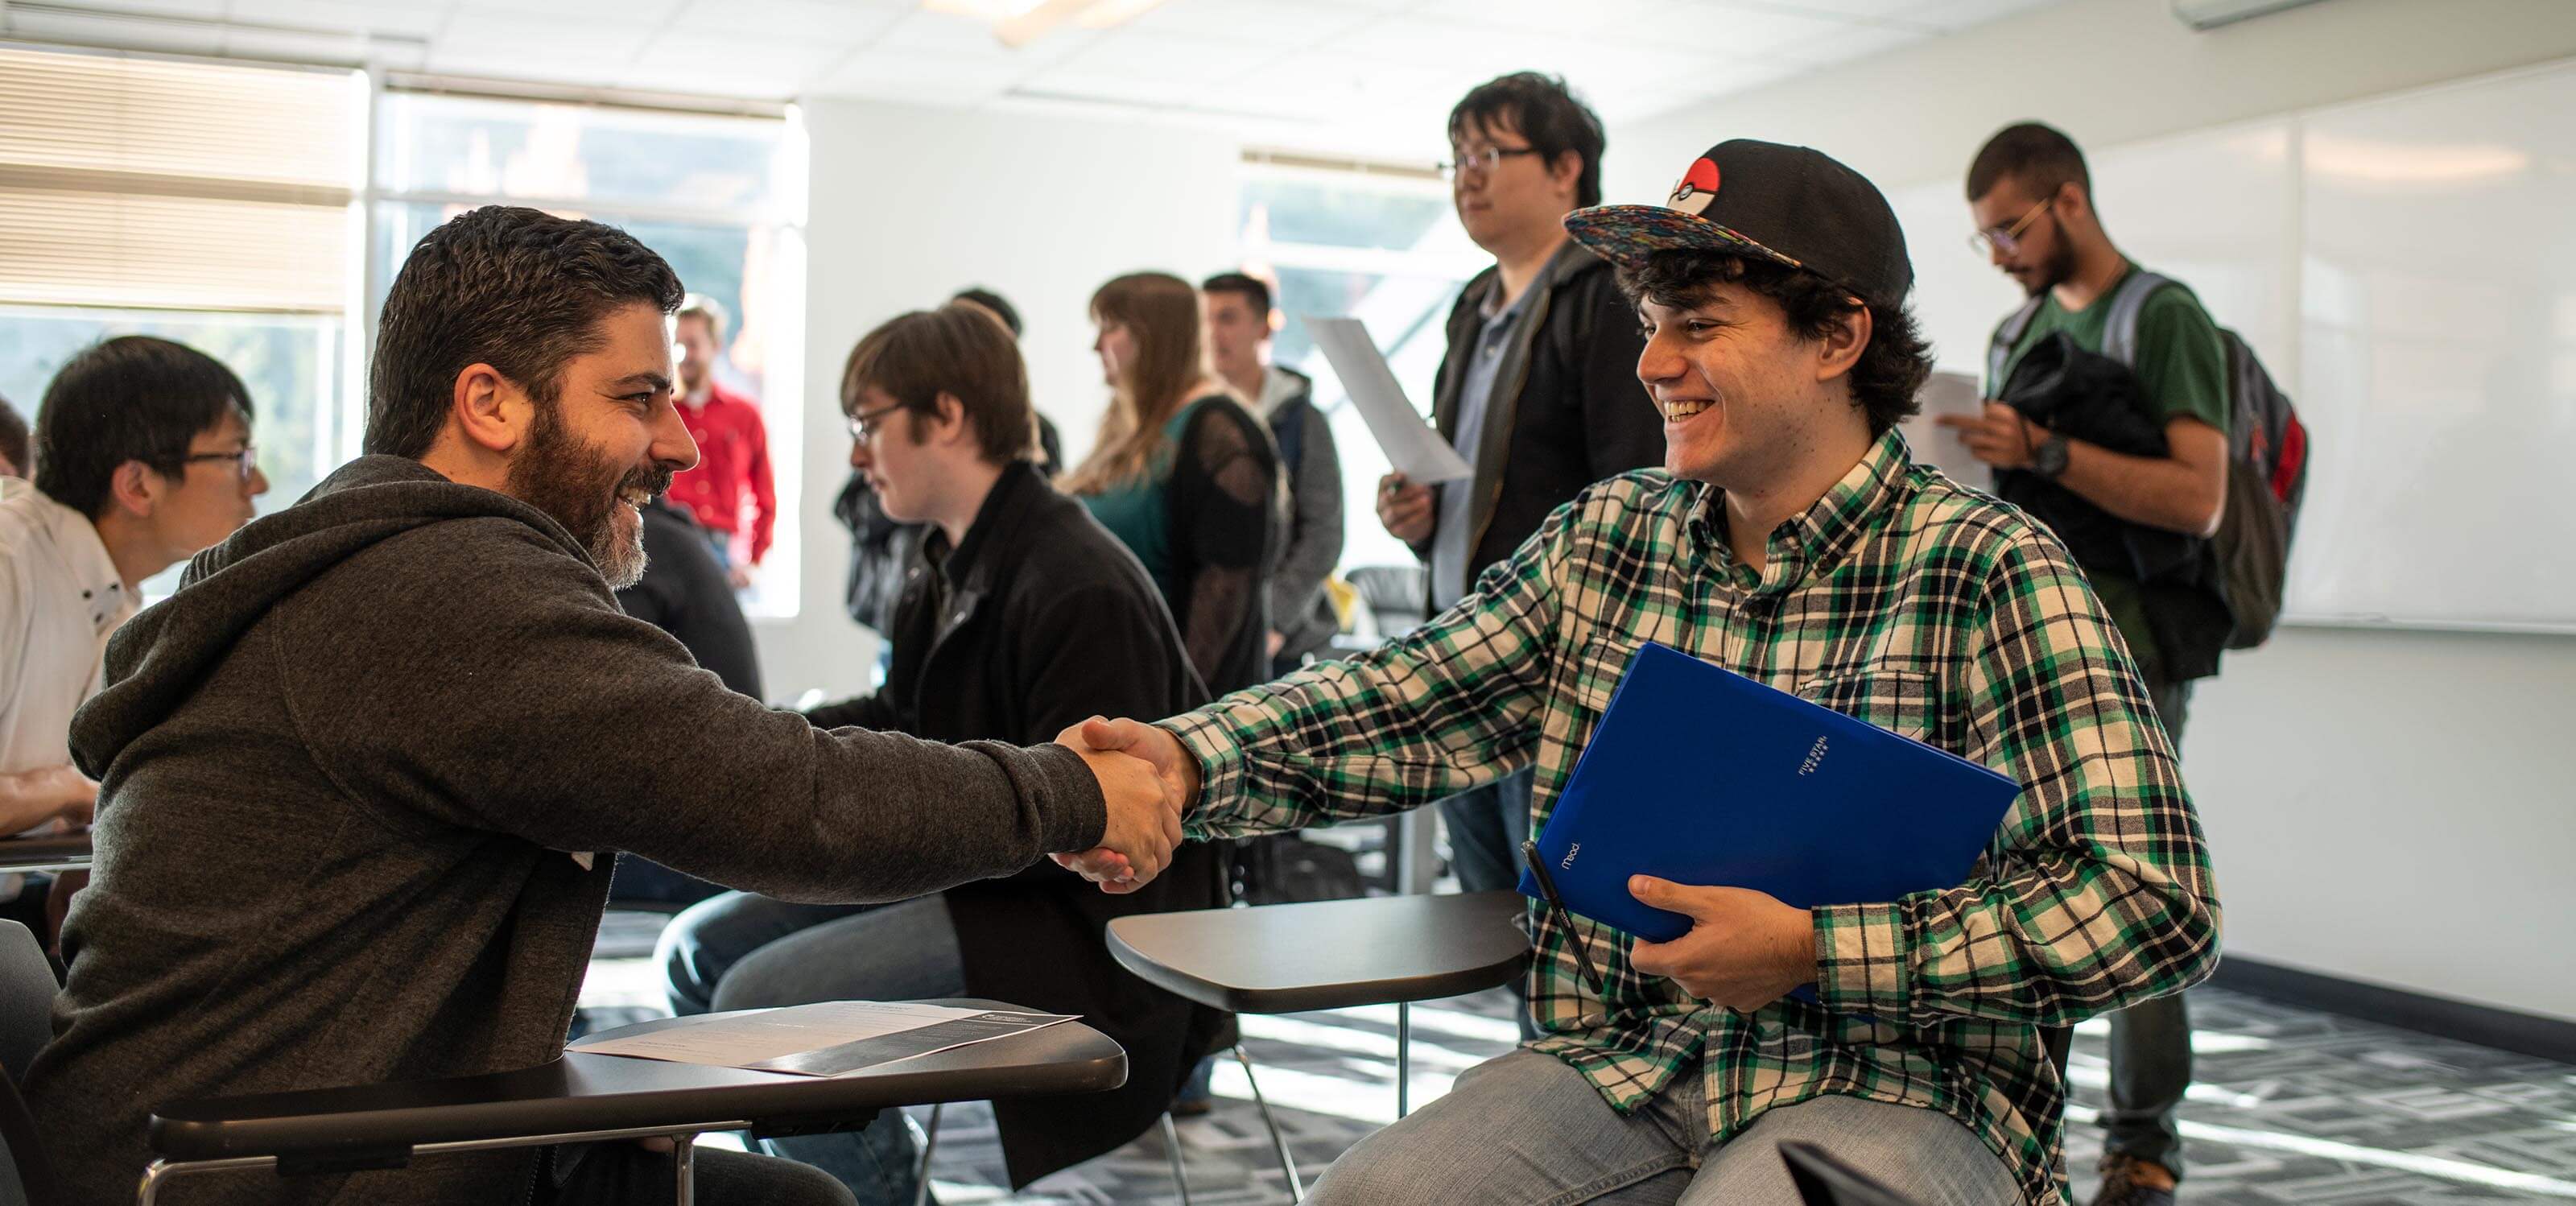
(1700, 775)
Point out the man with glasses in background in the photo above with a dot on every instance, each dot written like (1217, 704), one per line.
(2032, 199)
(143, 457)
(1538, 390)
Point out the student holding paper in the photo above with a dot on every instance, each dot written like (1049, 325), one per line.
(1790, 540)
(1538, 390)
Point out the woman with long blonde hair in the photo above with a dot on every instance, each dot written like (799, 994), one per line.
(1184, 474)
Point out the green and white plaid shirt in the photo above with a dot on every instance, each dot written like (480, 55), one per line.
(1901, 599)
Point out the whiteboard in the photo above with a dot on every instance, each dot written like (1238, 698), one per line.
(2406, 268)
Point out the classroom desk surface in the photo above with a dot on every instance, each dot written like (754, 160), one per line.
(588, 1094)
(45, 852)
(1328, 954)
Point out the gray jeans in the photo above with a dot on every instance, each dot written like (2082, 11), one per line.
(1528, 1130)
(2151, 1042)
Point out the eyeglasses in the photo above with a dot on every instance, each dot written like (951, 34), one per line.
(245, 462)
(2007, 240)
(863, 425)
(1482, 162)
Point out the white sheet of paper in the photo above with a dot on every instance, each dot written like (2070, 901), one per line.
(1412, 447)
(1946, 393)
(801, 1038)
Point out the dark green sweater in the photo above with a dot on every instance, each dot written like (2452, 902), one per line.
(343, 768)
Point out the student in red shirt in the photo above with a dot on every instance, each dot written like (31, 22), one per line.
(733, 448)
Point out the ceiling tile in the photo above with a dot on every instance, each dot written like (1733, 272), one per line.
(782, 60)
(1120, 88)
(1741, 29)
(846, 21)
(1485, 53)
(618, 18)
(917, 77)
(1161, 56)
(1613, 20)
(410, 21)
(512, 36)
(1285, 26)
(949, 33)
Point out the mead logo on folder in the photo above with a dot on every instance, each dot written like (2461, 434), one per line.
(1700, 775)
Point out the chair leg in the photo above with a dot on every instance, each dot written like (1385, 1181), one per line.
(684, 1169)
(929, 1147)
(1279, 1142)
(1403, 1058)
(1172, 1148)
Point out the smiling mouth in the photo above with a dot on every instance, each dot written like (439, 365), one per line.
(1675, 412)
(635, 496)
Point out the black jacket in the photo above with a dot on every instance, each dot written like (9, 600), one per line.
(1567, 408)
(342, 771)
(880, 547)
(684, 593)
(1040, 619)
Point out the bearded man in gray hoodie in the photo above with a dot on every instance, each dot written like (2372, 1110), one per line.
(364, 776)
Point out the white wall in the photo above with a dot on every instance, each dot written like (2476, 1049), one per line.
(2383, 805)
(910, 205)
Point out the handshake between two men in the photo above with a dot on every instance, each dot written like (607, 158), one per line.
(1147, 781)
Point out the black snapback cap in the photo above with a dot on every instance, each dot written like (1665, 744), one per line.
(1791, 205)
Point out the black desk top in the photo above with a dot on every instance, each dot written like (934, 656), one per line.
(1330, 954)
(588, 1093)
(45, 852)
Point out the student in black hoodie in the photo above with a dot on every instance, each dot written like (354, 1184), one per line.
(1020, 615)
(362, 774)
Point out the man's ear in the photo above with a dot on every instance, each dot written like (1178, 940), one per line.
(950, 427)
(490, 410)
(1566, 172)
(1843, 343)
(135, 489)
(2072, 201)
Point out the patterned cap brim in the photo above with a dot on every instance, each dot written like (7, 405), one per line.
(1626, 234)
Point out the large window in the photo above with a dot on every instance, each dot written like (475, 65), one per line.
(720, 197)
(212, 204)
(256, 214)
(1382, 245)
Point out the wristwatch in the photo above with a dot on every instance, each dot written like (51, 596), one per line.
(2049, 459)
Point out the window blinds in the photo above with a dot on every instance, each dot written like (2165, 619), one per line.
(162, 184)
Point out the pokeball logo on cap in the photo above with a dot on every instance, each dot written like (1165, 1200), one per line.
(1698, 187)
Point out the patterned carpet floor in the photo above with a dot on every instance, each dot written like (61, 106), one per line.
(2290, 1106)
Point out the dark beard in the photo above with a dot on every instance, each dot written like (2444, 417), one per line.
(2056, 270)
(572, 482)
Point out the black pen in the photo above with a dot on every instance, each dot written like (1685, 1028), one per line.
(1564, 917)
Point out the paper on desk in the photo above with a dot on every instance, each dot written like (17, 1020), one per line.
(824, 1039)
(1412, 447)
(1947, 393)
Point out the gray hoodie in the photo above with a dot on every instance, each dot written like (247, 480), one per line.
(346, 768)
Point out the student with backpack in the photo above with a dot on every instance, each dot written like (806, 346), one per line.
(2125, 419)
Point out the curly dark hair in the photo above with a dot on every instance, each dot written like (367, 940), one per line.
(1890, 369)
(518, 289)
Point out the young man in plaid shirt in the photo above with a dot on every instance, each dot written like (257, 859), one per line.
(1789, 539)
